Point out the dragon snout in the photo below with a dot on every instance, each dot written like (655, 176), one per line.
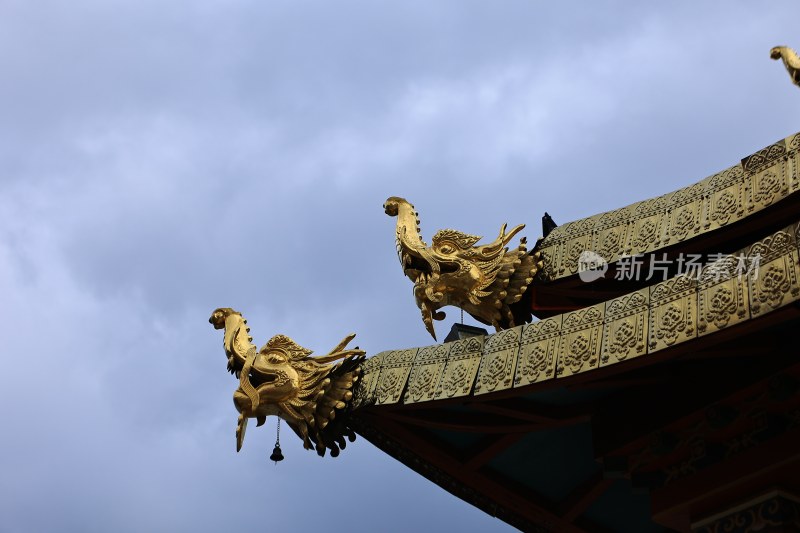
(392, 205)
(217, 318)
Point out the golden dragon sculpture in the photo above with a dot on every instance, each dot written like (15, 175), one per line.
(790, 60)
(488, 281)
(282, 379)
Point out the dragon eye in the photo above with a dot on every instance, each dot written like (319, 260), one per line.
(276, 359)
(446, 249)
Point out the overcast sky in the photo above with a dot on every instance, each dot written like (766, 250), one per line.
(161, 159)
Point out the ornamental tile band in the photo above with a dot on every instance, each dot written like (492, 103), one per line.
(793, 143)
(426, 373)
(792, 162)
(796, 232)
(579, 346)
(765, 157)
(722, 297)
(648, 221)
(625, 327)
(724, 199)
(685, 214)
(577, 238)
(776, 284)
(550, 260)
(760, 278)
(774, 246)
(611, 234)
(767, 186)
(672, 312)
(538, 351)
(759, 181)
(395, 368)
(461, 367)
(365, 389)
(499, 361)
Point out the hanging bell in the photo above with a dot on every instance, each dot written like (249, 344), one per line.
(276, 454)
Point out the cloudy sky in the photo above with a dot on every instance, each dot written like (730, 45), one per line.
(162, 159)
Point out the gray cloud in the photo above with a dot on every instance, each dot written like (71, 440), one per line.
(160, 160)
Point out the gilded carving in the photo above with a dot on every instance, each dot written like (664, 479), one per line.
(425, 373)
(458, 377)
(775, 284)
(773, 246)
(683, 222)
(719, 200)
(460, 369)
(672, 312)
(573, 249)
(611, 234)
(767, 187)
(722, 295)
(652, 206)
(576, 238)
(579, 346)
(364, 393)
(625, 327)
(723, 206)
(645, 234)
(684, 214)
(647, 224)
(790, 61)
(727, 177)
(395, 368)
(765, 157)
(650, 319)
(793, 143)
(282, 379)
(557, 234)
(499, 361)
(796, 233)
(549, 259)
(724, 201)
(584, 226)
(791, 165)
(537, 352)
(486, 281)
(772, 282)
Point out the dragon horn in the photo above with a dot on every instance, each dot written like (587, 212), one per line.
(510, 234)
(505, 239)
(339, 347)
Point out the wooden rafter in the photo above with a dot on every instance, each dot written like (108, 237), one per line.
(496, 490)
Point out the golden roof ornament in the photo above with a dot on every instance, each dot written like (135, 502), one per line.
(487, 281)
(790, 60)
(282, 379)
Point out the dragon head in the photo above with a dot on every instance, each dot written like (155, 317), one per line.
(483, 280)
(282, 379)
(276, 375)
